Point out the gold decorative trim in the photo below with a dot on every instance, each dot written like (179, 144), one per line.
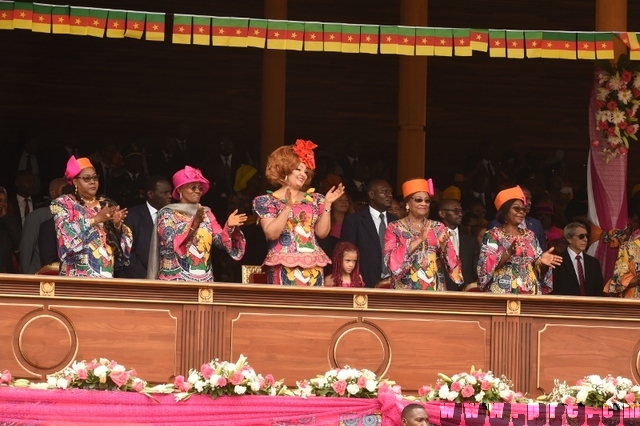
(360, 301)
(205, 295)
(513, 307)
(248, 270)
(47, 289)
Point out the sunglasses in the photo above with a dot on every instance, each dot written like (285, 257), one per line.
(421, 200)
(195, 188)
(88, 179)
(455, 211)
(582, 236)
(519, 209)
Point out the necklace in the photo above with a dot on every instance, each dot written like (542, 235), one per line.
(89, 200)
(411, 225)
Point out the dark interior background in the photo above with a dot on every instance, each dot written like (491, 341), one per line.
(124, 88)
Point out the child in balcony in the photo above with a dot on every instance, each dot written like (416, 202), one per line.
(346, 271)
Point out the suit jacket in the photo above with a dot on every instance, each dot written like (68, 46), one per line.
(469, 253)
(565, 280)
(139, 220)
(29, 248)
(128, 192)
(48, 242)
(14, 208)
(158, 164)
(533, 225)
(358, 228)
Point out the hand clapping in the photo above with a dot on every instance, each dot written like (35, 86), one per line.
(334, 193)
(236, 219)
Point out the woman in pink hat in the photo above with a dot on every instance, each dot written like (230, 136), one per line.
(92, 238)
(185, 232)
(292, 218)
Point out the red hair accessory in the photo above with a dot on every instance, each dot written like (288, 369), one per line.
(304, 151)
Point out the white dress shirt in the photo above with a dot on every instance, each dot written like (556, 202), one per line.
(153, 212)
(21, 205)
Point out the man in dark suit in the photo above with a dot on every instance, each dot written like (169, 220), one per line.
(141, 219)
(365, 229)
(579, 274)
(466, 246)
(23, 200)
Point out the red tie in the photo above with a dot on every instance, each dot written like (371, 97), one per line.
(27, 208)
(581, 276)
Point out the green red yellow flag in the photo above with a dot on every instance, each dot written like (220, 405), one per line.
(369, 39)
(425, 41)
(60, 19)
(533, 42)
(6, 15)
(388, 40)
(154, 28)
(41, 18)
(604, 45)
(462, 42)
(350, 40)
(515, 44)
(257, 34)
(78, 20)
(295, 35)
(97, 22)
(22, 14)
(586, 46)
(479, 40)
(277, 35)
(116, 23)
(560, 45)
(181, 29)
(202, 30)
(406, 41)
(332, 37)
(229, 31)
(313, 37)
(630, 39)
(443, 42)
(135, 25)
(497, 44)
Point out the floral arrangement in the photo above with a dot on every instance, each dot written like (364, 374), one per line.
(595, 391)
(617, 100)
(474, 387)
(345, 382)
(218, 378)
(101, 374)
(5, 378)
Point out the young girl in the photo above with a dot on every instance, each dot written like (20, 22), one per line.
(346, 271)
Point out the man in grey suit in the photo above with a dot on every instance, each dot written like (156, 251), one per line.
(450, 212)
(366, 229)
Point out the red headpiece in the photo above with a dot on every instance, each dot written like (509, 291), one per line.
(304, 151)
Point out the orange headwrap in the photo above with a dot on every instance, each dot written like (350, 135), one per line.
(505, 195)
(417, 185)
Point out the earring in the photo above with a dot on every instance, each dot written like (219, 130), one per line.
(180, 195)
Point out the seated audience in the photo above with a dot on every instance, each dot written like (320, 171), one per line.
(579, 274)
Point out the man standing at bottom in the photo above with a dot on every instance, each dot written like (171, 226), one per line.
(366, 229)
(415, 415)
(141, 219)
(579, 274)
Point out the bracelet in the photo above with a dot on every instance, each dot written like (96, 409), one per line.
(327, 210)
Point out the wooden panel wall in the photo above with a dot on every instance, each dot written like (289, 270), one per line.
(52, 83)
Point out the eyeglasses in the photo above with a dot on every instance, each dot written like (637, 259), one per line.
(582, 236)
(195, 188)
(421, 200)
(519, 209)
(88, 179)
(455, 211)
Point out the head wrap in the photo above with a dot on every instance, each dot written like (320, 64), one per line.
(505, 195)
(75, 166)
(452, 192)
(544, 208)
(243, 176)
(188, 175)
(417, 185)
(304, 151)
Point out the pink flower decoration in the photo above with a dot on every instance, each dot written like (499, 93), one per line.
(569, 401)
(623, 150)
(5, 377)
(269, 379)
(595, 143)
(120, 378)
(468, 391)
(424, 390)
(630, 397)
(138, 385)
(485, 385)
(82, 374)
(455, 386)
(237, 378)
(362, 382)
(304, 150)
(339, 387)
(206, 370)
(181, 384)
(222, 382)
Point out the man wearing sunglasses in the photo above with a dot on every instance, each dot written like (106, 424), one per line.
(579, 274)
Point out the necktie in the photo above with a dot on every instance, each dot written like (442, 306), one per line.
(27, 207)
(581, 276)
(454, 240)
(382, 229)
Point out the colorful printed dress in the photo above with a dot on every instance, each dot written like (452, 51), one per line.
(425, 268)
(295, 257)
(521, 274)
(82, 248)
(190, 261)
(627, 267)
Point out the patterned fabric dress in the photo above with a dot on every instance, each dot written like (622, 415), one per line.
(425, 268)
(521, 274)
(295, 257)
(82, 248)
(627, 267)
(190, 261)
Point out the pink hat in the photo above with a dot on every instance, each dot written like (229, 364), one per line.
(75, 166)
(188, 175)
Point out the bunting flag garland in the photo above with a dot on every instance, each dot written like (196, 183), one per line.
(60, 19)
(314, 36)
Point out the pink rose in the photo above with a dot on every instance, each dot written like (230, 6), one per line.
(623, 150)
(5, 377)
(632, 129)
(82, 374)
(579, 382)
(261, 383)
(569, 400)
(424, 390)
(602, 125)
(222, 382)
(206, 370)
(630, 397)
(362, 382)
(600, 104)
(622, 124)
(595, 143)
(237, 378)
(611, 105)
(626, 76)
(485, 385)
(339, 387)
(120, 378)
(181, 384)
(611, 131)
(269, 379)
(636, 93)
(438, 386)
(138, 385)
(455, 386)
(133, 372)
(468, 391)
(112, 364)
